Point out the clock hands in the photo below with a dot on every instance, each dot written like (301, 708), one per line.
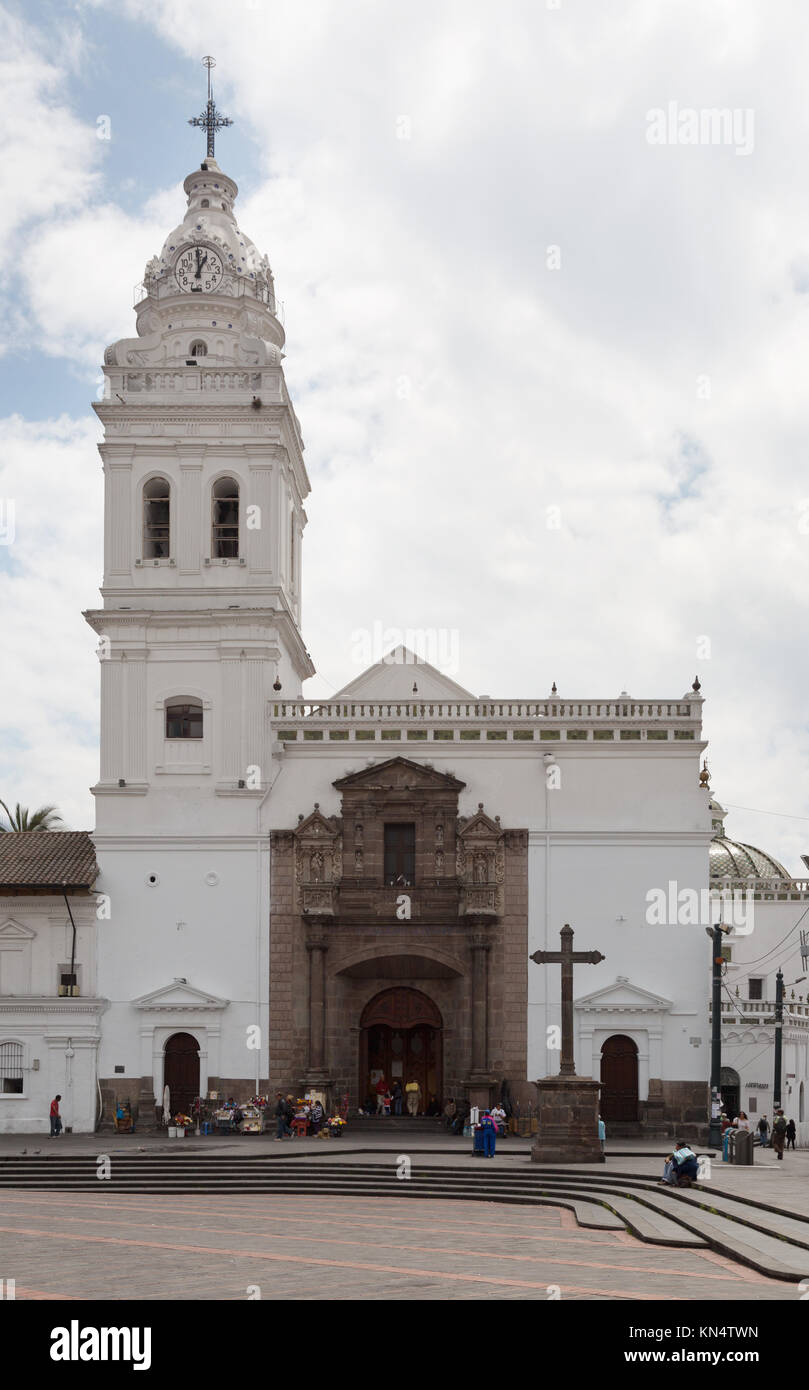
(200, 263)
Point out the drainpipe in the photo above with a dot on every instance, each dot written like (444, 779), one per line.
(73, 943)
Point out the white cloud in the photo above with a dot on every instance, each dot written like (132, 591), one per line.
(451, 387)
(52, 473)
(50, 157)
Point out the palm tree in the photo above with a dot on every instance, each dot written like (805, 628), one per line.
(46, 818)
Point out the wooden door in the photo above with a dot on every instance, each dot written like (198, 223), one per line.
(181, 1071)
(403, 1054)
(619, 1079)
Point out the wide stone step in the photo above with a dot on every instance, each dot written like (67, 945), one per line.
(774, 1242)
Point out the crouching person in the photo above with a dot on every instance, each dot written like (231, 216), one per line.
(681, 1167)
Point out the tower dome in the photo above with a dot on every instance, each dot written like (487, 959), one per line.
(208, 221)
(733, 859)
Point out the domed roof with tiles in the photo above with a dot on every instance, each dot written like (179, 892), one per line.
(733, 859)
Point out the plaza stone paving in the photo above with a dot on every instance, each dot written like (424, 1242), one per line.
(87, 1246)
(292, 1246)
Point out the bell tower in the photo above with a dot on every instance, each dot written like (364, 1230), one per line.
(199, 630)
(204, 514)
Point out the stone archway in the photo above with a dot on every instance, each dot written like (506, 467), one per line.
(401, 1038)
(619, 1079)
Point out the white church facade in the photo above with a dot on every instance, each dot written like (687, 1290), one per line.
(293, 892)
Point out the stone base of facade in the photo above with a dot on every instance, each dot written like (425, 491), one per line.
(481, 1089)
(568, 1121)
(681, 1105)
(147, 1114)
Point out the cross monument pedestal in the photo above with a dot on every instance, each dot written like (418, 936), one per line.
(567, 1130)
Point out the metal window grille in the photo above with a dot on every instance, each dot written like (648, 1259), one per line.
(11, 1068)
(156, 519)
(225, 520)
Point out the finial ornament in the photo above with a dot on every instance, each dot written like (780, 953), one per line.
(696, 687)
(704, 776)
(210, 120)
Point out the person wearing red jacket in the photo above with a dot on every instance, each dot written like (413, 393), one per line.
(56, 1118)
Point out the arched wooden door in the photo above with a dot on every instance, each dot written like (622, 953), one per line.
(181, 1071)
(619, 1079)
(402, 1039)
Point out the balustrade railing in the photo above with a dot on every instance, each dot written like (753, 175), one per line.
(339, 710)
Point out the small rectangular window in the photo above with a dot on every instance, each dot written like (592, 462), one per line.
(755, 989)
(400, 854)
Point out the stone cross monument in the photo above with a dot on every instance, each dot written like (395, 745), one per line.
(567, 1103)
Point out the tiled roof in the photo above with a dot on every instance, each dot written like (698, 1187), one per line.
(733, 859)
(41, 859)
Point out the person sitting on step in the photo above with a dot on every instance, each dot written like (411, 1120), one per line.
(681, 1167)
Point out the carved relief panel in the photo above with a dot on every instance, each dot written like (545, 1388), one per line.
(480, 864)
(318, 863)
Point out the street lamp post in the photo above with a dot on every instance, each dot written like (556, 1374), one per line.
(715, 1125)
(779, 1038)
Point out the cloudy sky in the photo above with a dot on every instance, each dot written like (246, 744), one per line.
(550, 366)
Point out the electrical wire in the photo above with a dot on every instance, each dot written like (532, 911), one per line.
(757, 811)
(778, 944)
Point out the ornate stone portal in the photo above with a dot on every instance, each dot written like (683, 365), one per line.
(347, 934)
(568, 1104)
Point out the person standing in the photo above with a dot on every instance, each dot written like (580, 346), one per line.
(489, 1128)
(791, 1134)
(602, 1133)
(413, 1090)
(381, 1095)
(56, 1118)
(763, 1130)
(779, 1133)
(397, 1096)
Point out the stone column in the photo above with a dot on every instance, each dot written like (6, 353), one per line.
(480, 945)
(480, 1082)
(317, 1077)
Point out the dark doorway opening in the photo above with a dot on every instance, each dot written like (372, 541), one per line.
(730, 1090)
(181, 1071)
(401, 1038)
(619, 1079)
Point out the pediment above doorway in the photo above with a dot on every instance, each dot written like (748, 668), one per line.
(400, 774)
(623, 997)
(179, 997)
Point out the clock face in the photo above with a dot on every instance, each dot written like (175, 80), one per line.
(198, 270)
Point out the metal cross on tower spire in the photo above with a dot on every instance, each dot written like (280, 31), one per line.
(210, 119)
